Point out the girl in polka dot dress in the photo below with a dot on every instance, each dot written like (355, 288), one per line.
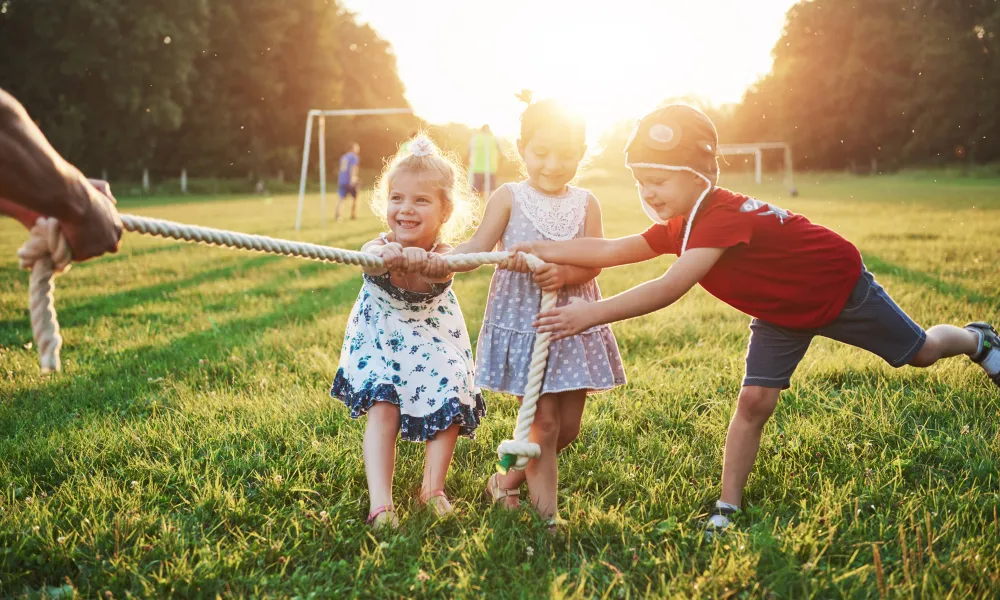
(544, 207)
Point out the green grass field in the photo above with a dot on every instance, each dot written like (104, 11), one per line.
(190, 449)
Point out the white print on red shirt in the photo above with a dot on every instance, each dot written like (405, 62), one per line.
(753, 204)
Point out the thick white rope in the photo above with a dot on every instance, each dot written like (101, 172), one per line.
(47, 254)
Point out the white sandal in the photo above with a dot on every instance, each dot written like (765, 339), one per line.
(497, 493)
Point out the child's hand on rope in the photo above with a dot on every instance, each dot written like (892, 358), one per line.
(414, 260)
(549, 277)
(517, 262)
(536, 248)
(436, 268)
(565, 321)
(392, 254)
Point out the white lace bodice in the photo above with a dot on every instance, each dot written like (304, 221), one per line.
(557, 218)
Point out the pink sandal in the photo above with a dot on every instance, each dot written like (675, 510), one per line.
(387, 510)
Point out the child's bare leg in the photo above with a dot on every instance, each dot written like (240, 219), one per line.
(571, 405)
(380, 452)
(753, 409)
(543, 472)
(436, 462)
(944, 341)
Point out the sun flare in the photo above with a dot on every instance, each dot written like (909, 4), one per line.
(610, 61)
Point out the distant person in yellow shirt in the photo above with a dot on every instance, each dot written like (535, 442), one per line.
(484, 161)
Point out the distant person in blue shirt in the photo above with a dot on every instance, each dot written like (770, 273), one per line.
(347, 181)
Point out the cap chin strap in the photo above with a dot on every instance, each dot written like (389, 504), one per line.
(652, 213)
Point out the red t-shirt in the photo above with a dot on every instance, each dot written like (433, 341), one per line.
(778, 266)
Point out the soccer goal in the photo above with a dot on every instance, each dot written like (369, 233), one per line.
(757, 150)
(321, 115)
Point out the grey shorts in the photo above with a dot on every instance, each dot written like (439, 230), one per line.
(870, 320)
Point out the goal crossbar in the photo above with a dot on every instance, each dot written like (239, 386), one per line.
(757, 150)
(321, 115)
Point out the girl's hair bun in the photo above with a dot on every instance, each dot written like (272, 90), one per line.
(524, 96)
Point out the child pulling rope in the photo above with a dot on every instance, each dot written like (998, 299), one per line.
(47, 254)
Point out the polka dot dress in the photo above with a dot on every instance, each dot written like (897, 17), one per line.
(587, 361)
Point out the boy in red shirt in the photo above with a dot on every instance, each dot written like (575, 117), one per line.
(795, 278)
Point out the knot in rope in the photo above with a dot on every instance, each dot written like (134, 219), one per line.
(47, 254)
(46, 242)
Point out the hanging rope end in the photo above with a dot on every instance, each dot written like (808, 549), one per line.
(516, 455)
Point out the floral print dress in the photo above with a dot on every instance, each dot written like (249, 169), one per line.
(411, 349)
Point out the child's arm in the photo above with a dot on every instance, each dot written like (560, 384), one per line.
(552, 277)
(592, 252)
(641, 300)
(491, 228)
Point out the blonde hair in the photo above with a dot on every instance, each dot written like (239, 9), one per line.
(421, 155)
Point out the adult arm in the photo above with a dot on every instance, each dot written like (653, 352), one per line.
(36, 181)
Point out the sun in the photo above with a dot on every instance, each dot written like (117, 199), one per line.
(609, 61)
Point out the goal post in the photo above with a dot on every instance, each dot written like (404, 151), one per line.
(757, 150)
(321, 115)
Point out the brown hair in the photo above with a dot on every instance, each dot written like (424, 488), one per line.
(549, 112)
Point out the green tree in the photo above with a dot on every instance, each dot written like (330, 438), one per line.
(886, 80)
(104, 78)
(222, 89)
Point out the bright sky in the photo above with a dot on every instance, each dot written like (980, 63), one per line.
(463, 60)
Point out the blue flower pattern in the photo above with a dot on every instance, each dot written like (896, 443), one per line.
(412, 350)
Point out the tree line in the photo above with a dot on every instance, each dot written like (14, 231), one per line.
(222, 88)
(863, 84)
(219, 88)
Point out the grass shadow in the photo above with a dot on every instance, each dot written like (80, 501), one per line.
(72, 315)
(953, 290)
(56, 403)
(15, 330)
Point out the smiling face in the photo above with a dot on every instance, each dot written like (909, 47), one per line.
(668, 193)
(550, 158)
(416, 209)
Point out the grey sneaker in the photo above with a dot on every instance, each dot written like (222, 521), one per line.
(988, 356)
